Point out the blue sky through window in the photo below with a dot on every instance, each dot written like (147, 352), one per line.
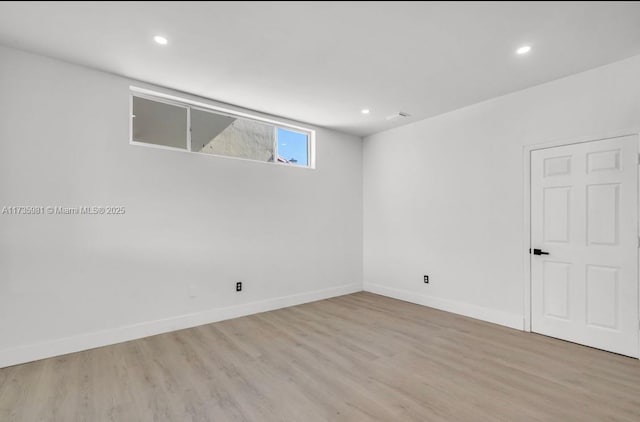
(293, 146)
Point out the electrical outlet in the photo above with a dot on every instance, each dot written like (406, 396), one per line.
(239, 286)
(426, 279)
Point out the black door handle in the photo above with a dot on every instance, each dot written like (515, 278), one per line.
(539, 252)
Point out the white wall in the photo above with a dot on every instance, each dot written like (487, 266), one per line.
(444, 196)
(72, 282)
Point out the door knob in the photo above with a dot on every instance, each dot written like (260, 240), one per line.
(539, 252)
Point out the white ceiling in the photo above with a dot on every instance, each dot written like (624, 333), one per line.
(322, 62)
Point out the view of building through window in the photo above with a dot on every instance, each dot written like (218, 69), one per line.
(181, 126)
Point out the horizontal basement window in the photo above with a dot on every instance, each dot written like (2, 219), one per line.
(172, 123)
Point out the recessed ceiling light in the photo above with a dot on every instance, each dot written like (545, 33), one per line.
(365, 111)
(524, 49)
(160, 40)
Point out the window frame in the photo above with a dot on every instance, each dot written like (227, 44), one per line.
(214, 109)
(275, 128)
(187, 147)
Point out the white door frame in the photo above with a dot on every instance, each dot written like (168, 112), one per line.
(526, 257)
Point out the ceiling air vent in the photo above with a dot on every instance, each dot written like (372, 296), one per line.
(398, 115)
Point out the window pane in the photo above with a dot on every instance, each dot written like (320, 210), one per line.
(230, 136)
(159, 123)
(293, 147)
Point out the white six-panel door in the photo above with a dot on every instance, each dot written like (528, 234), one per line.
(584, 213)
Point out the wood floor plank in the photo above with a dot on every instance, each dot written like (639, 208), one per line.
(17, 394)
(359, 357)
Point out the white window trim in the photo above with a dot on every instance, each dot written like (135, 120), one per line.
(198, 105)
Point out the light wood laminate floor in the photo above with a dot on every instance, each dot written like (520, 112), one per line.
(358, 357)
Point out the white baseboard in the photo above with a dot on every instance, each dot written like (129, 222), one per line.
(31, 352)
(473, 311)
